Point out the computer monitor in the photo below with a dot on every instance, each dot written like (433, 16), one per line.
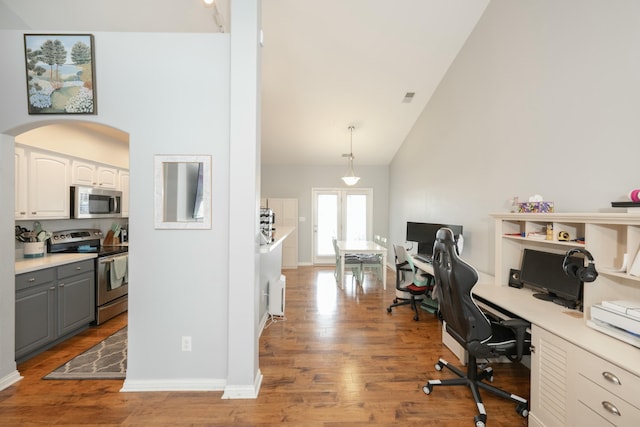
(424, 234)
(543, 271)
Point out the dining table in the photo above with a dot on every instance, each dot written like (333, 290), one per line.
(361, 247)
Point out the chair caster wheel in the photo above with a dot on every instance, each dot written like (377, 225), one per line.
(522, 410)
(480, 420)
(395, 300)
(427, 388)
(438, 367)
(416, 318)
(388, 309)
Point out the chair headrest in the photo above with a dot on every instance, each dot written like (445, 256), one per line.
(445, 235)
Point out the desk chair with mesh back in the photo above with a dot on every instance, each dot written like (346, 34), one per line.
(409, 280)
(468, 325)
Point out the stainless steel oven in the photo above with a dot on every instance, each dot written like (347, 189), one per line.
(111, 268)
(112, 286)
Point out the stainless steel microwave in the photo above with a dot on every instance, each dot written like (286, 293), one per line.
(90, 202)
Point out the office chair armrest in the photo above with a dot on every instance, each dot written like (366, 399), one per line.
(519, 327)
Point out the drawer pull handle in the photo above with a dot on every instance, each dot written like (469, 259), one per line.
(33, 279)
(610, 407)
(78, 268)
(611, 378)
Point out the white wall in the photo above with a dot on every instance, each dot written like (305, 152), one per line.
(297, 181)
(179, 277)
(543, 98)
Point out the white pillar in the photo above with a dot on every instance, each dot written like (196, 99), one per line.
(244, 376)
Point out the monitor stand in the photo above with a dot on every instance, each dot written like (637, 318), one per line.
(544, 296)
(555, 299)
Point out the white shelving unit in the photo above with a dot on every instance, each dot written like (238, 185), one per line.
(572, 365)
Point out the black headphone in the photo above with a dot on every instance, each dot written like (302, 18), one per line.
(571, 269)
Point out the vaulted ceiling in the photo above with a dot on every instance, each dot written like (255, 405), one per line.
(326, 65)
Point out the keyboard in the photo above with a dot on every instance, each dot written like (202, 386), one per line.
(424, 258)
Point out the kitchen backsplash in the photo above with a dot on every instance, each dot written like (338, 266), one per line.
(103, 224)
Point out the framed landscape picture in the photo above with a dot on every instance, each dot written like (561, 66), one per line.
(60, 73)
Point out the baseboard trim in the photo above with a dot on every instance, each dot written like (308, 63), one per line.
(244, 391)
(10, 379)
(173, 385)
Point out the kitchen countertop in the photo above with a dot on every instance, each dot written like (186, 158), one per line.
(27, 265)
(280, 234)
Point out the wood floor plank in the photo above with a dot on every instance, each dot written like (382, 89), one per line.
(339, 359)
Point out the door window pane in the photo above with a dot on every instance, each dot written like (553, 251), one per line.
(327, 223)
(356, 217)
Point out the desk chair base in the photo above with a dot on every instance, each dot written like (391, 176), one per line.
(413, 302)
(474, 380)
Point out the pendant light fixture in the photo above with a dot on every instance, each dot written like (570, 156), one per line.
(350, 178)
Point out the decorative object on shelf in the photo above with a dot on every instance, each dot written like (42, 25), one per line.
(563, 236)
(550, 231)
(350, 178)
(535, 205)
(60, 73)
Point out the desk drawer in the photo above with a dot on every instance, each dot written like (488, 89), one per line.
(610, 377)
(609, 406)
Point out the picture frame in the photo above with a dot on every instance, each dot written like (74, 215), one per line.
(60, 73)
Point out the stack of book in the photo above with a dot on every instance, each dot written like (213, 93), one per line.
(627, 206)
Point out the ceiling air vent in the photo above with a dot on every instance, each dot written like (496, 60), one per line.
(408, 97)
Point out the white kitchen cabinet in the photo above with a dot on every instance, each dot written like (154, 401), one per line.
(21, 177)
(286, 215)
(123, 185)
(93, 175)
(107, 177)
(47, 186)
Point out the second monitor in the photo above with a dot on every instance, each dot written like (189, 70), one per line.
(424, 234)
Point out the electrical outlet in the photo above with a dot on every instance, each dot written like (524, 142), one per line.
(186, 343)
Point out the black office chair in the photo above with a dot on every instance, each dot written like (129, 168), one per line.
(468, 325)
(409, 281)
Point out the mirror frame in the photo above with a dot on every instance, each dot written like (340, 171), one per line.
(160, 223)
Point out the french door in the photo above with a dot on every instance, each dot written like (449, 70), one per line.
(345, 214)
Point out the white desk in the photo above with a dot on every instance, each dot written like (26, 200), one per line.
(361, 247)
(563, 322)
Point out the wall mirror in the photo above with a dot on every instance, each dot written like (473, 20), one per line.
(182, 192)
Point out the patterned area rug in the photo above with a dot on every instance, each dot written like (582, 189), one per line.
(106, 360)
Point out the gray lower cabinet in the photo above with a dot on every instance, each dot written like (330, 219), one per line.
(35, 310)
(53, 304)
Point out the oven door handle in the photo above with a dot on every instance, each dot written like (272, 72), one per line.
(108, 260)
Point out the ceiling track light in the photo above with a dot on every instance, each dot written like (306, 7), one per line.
(350, 178)
(217, 16)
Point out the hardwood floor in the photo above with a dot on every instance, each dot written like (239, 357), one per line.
(339, 359)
